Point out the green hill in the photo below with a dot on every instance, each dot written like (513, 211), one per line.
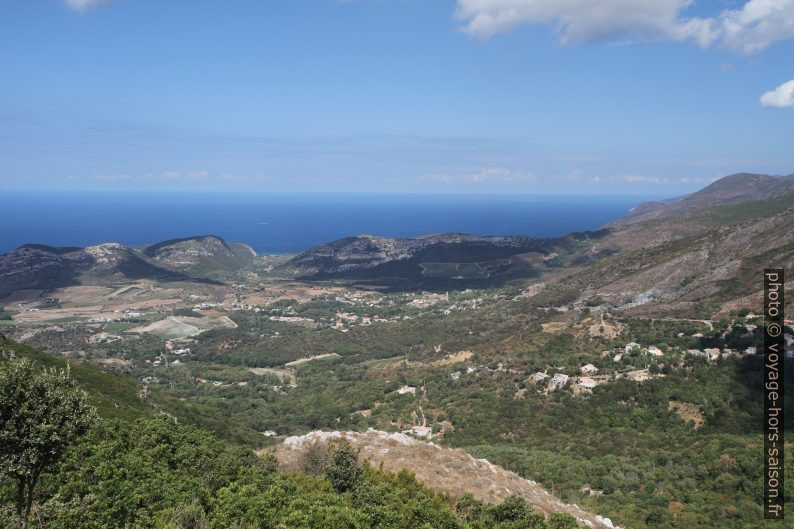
(121, 397)
(133, 470)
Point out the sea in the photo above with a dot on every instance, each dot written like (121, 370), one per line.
(279, 223)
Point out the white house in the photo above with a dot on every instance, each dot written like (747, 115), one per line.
(539, 377)
(588, 369)
(558, 381)
(631, 346)
(697, 352)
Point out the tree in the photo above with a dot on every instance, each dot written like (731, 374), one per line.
(562, 520)
(315, 458)
(512, 509)
(42, 412)
(343, 470)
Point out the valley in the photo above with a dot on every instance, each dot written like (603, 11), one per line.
(622, 378)
(380, 264)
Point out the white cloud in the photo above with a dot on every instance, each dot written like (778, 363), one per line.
(164, 176)
(108, 177)
(757, 25)
(488, 174)
(780, 97)
(500, 174)
(576, 20)
(82, 5)
(642, 179)
(579, 176)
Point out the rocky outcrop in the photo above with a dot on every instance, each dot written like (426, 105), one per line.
(200, 254)
(452, 471)
(41, 267)
(714, 266)
(372, 256)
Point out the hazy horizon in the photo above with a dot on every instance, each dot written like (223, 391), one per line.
(291, 222)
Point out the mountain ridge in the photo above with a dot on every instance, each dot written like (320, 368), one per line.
(731, 189)
(43, 267)
(435, 257)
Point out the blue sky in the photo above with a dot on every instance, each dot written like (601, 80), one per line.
(478, 96)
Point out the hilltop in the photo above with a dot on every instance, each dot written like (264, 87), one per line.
(448, 470)
(731, 189)
(200, 255)
(41, 267)
(452, 259)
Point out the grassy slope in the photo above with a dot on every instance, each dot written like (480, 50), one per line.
(119, 396)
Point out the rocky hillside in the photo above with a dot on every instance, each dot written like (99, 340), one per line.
(40, 267)
(449, 256)
(733, 189)
(714, 266)
(447, 470)
(199, 255)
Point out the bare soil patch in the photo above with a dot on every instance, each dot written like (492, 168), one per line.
(301, 361)
(687, 412)
(454, 358)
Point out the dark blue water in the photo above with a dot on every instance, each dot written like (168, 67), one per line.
(286, 223)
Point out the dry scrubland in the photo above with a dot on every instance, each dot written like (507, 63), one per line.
(447, 470)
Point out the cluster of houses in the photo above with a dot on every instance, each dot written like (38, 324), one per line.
(293, 319)
(558, 381)
(463, 305)
(179, 351)
(455, 375)
(104, 337)
(218, 383)
(359, 298)
(345, 317)
(589, 377)
(634, 347)
(342, 320)
(159, 359)
(428, 299)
